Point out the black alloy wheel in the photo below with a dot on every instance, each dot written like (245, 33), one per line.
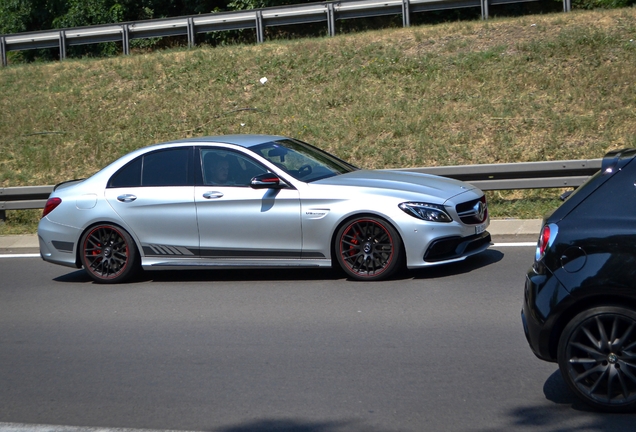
(368, 249)
(597, 357)
(108, 254)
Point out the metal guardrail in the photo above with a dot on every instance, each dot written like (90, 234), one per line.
(527, 175)
(256, 19)
(23, 198)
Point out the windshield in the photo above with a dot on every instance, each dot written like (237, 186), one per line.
(302, 161)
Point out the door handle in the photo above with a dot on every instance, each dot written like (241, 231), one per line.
(211, 195)
(126, 198)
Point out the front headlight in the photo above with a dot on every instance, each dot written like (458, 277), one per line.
(427, 212)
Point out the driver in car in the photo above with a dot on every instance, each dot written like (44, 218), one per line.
(220, 172)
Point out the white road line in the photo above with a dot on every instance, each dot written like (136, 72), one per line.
(19, 256)
(23, 427)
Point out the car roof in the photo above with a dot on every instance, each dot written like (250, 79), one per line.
(243, 140)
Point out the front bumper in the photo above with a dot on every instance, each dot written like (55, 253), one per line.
(453, 248)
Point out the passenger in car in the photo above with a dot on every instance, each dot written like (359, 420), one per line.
(220, 172)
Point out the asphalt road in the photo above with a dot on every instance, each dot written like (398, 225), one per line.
(237, 351)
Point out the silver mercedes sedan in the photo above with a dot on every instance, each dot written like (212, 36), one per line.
(257, 201)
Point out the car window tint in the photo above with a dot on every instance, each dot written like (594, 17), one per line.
(229, 168)
(128, 176)
(166, 168)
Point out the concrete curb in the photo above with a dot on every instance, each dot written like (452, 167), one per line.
(19, 244)
(515, 230)
(502, 230)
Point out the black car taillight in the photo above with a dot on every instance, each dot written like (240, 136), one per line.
(50, 205)
(546, 238)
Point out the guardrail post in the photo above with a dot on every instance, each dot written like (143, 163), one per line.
(3, 216)
(125, 39)
(331, 19)
(3, 51)
(191, 34)
(260, 34)
(567, 5)
(484, 9)
(62, 45)
(406, 13)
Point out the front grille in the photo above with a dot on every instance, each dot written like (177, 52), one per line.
(473, 212)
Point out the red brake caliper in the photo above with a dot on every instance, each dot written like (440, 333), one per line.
(355, 241)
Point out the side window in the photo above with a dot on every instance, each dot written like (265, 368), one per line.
(127, 176)
(229, 168)
(166, 168)
(160, 168)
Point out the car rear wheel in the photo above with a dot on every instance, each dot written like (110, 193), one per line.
(597, 357)
(368, 248)
(108, 254)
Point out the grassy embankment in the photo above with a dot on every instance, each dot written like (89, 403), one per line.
(535, 88)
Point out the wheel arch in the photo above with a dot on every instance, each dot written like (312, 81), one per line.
(600, 300)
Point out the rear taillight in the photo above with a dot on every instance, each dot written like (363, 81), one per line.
(546, 238)
(50, 205)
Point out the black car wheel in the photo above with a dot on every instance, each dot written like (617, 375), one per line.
(108, 254)
(368, 249)
(597, 357)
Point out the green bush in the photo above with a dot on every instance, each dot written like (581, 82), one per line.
(601, 4)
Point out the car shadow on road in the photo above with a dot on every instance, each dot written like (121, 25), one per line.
(472, 263)
(556, 390)
(220, 275)
(290, 425)
(565, 413)
(77, 276)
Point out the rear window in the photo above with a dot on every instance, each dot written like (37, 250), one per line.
(170, 167)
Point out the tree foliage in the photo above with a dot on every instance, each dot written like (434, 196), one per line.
(33, 15)
(602, 4)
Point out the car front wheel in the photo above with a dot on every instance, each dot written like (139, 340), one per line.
(108, 254)
(597, 357)
(368, 249)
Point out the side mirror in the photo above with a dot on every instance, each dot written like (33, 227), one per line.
(267, 181)
(566, 195)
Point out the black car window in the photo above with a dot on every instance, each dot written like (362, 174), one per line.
(166, 168)
(228, 168)
(127, 176)
(160, 168)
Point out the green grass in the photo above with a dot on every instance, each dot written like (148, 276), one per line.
(20, 222)
(535, 88)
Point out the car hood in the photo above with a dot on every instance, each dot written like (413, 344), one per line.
(403, 181)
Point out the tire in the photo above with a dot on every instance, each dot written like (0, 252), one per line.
(108, 254)
(597, 358)
(368, 248)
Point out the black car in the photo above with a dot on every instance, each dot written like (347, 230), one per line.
(580, 294)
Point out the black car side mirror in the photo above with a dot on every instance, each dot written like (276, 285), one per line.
(565, 195)
(267, 181)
